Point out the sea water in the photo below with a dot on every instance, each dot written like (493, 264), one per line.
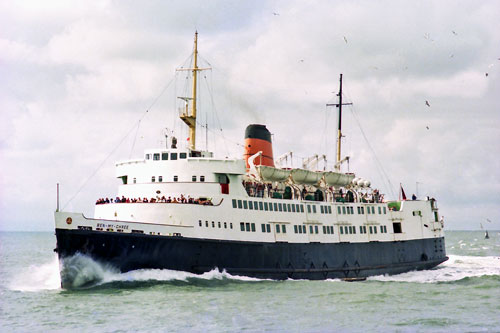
(462, 294)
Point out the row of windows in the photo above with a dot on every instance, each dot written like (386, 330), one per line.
(165, 156)
(299, 208)
(219, 225)
(268, 206)
(176, 178)
(298, 229)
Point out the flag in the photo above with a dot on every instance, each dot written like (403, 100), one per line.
(402, 191)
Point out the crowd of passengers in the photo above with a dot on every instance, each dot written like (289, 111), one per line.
(181, 199)
(255, 189)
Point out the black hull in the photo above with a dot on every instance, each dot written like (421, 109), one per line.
(312, 261)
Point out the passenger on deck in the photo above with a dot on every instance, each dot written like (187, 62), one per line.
(413, 197)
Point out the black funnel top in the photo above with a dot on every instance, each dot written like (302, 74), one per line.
(255, 131)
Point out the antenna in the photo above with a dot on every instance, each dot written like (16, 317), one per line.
(339, 133)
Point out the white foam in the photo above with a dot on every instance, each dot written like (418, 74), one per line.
(38, 277)
(456, 268)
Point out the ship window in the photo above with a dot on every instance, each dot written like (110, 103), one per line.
(322, 209)
(199, 223)
(218, 224)
(250, 205)
(308, 209)
(289, 207)
(240, 204)
(354, 229)
(242, 226)
(348, 210)
(396, 226)
(367, 210)
(352, 210)
(380, 210)
(314, 209)
(255, 205)
(329, 209)
(359, 210)
(176, 178)
(343, 210)
(341, 230)
(263, 226)
(316, 229)
(182, 155)
(275, 207)
(293, 208)
(324, 229)
(385, 211)
(310, 229)
(261, 206)
(283, 229)
(271, 206)
(247, 226)
(231, 225)
(225, 225)
(300, 229)
(245, 204)
(164, 156)
(160, 178)
(277, 228)
(284, 207)
(373, 210)
(268, 227)
(206, 224)
(135, 180)
(234, 203)
(371, 231)
(213, 224)
(193, 178)
(301, 208)
(303, 229)
(295, 229)
(253, 227)
(202, 178)
(338, 210)
(173, 156)
(148, 156)
(266, 207)
(280, 207)
(156, 157)
(374, 229)
(153, 179)
(381, 229)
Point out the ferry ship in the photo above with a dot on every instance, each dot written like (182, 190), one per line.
(183, 209)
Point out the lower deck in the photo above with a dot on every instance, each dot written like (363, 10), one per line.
(315, 261)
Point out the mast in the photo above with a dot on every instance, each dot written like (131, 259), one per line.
(190, 118)
(339, 131)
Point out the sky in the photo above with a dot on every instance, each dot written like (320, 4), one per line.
(84, 84)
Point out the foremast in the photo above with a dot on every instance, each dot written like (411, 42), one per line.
(190, 117)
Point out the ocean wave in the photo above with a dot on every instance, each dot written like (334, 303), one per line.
(456, 268)
(38, 277)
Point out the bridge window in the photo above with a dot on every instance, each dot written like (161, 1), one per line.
(182, 156)
(193, 178)
(148, 156)
(202, 178)
(176, 178)
(153, 179)
(173, 156)
(164, 156)
(160, 179)
(156, 157)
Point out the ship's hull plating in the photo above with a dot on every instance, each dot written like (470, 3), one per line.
(314, 261)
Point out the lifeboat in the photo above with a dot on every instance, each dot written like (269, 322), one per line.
(337, 178)
(301, 176)
(271, 174)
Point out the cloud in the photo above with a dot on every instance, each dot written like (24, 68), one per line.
(76, 77)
